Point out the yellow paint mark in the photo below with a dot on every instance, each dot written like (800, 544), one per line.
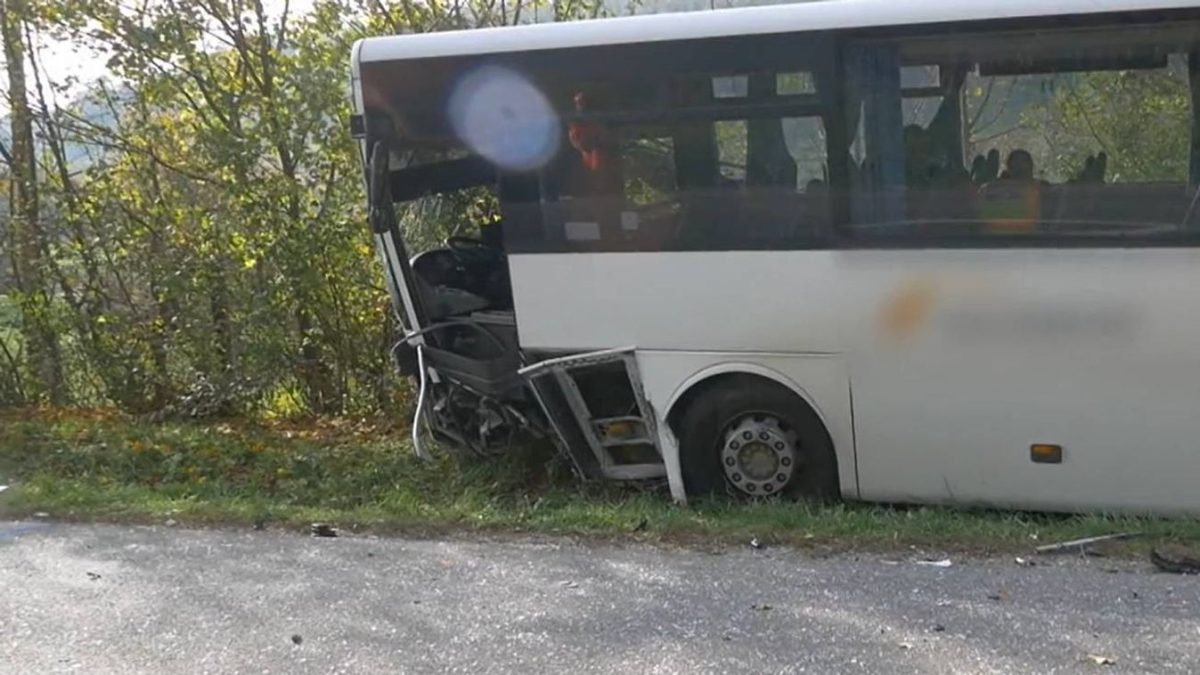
(907, 310)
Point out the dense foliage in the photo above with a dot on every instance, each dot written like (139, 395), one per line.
(189, 234)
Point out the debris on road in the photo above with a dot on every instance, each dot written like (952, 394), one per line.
(1082, 544)
(1102, 660)
(1026, 562)
(323, 530)
(568, 584)
(3, 488)
(93, 576)
(939, 628)
(170, 522)
(998, 596)
(296, 639)
(41, 514)
(935, 563)
(1175, 560)
(906, 645)
(756, 544)
(761, 608)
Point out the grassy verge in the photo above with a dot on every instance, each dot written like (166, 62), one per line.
(99, 466)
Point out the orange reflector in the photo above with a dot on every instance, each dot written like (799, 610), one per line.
(1046, 453)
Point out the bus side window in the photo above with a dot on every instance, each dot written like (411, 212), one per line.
(873, 83)
(1076, 132)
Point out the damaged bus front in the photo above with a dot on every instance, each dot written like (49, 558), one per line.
(450, 165)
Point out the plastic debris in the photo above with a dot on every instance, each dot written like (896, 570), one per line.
(935, 563)
(906, 645)
(1082, 544)
(3, 488)
(323, 530)
(761, 608)
(1026, 562)
(1102, 660)
(756, 544)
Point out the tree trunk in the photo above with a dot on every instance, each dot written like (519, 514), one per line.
(30, 245)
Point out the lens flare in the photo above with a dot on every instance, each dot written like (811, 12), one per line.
(505, 118)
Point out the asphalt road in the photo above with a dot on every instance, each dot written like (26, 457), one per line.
(105, 599)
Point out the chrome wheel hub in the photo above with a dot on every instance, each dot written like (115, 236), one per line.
(758, 455)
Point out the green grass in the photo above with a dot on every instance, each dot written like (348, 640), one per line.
(98, 466)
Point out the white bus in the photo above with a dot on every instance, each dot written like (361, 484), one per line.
(912, 251)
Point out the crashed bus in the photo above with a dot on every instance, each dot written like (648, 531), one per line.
(906, 252)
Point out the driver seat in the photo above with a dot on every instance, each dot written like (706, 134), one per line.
(436, 276)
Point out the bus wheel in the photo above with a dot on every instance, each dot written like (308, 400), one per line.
(751, 437)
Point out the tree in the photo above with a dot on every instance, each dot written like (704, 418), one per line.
(30, 250)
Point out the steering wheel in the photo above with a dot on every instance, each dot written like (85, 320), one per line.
(470, 251)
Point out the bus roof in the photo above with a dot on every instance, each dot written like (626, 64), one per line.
(818, 15)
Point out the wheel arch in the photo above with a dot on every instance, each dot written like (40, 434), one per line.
(723, 373)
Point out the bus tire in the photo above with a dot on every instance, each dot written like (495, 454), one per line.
(714, 423)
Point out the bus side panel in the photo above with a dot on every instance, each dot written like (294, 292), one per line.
(726, 301)
(821, 380)
(968, 358)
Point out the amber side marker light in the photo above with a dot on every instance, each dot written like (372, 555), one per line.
(1045, 453)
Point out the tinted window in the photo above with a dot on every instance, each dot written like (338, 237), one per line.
(1024, 135)
(707, 154)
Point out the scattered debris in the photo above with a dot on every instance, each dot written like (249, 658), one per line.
(761, 608)
(1175, 560)
(1102, 660)
(756, 544)
(1026, 562)
(939, 628)
(296, 639)
(93, 576)
(1082, 544)
(935, 563)
(323, 530)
